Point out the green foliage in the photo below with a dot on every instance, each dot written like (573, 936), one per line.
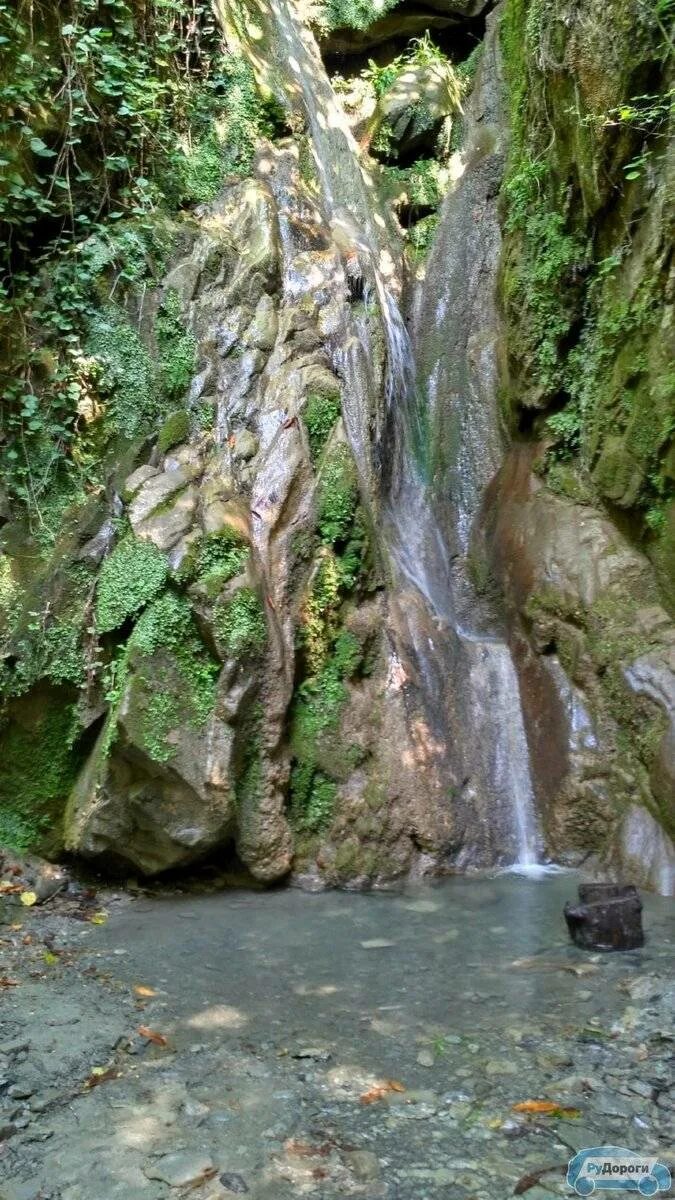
(422, 236)
(147, 112)
(337, 496)
(131, 576)
(126, 373)
(177, 349)
(317, 708)
(353, 14)
(48, 643)
(175, 430)
(123, 80)
(217, 558)
(320, 413)
(541, 279)
(422, 185)
(38, 770)
(565, 427)
(173, 674)
(240, 624)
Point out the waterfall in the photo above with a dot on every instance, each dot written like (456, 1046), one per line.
(460, 672)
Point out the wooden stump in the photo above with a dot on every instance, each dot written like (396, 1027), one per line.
(607, 917)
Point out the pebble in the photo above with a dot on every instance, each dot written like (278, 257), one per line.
(234, 1183)
(11, 1048)
(180, 1169)
(363, 1164)
(315, 1052)
(425, 1058)
(376, 944)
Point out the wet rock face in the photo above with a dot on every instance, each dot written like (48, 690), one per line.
(255, 574)
(595, 651)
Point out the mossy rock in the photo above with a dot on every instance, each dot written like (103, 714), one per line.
(174, 431)
(40, 760)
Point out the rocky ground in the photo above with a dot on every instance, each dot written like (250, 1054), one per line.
(178, 1043)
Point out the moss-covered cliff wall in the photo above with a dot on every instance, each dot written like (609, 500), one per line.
(587, 280)
(195, 606)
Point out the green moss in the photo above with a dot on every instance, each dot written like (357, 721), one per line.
(131, 576)
(316, 713)
(337, 496)
(353, 14)
(240, 624)
(39, 766)
(217, 558)
(320, 414)
(584, 282)
(421, 236)
(47, 642)
(177, 349)
(126, 373)
(172, 673)
(175, 430)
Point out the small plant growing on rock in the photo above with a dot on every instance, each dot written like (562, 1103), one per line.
(132, 575)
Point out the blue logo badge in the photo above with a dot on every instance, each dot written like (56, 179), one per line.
(613, 1168)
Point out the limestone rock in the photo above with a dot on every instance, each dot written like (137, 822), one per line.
(138, 477)
(153, 490)
(182, 1169)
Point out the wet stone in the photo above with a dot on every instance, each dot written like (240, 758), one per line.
(234, 1183)
(363, 1164)
(180, 1169)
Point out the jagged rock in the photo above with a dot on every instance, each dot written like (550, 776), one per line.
(127, 808)
(227, 514)
(138, 477)
(186, 459)
(154, 490)
(262, 332)
(607, 917)
(97, 547)
(180, 1170)
(167, 525)
(415, 106)
(245, 445)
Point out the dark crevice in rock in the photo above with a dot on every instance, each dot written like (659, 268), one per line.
(349, 50)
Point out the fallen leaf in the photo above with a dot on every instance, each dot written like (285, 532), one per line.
(6, 887)
(157, 1039)
(141, 990)
(380, 1090)
(28, 898)
(50, 958)
(545, 1108)
(5, 982)
(532, 1179)
(99, 918)
(100, 1075)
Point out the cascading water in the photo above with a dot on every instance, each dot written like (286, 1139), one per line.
(460, 674)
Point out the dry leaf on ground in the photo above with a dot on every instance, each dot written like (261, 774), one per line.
(545, 1108)
(157, 1039)
(380, 1090)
